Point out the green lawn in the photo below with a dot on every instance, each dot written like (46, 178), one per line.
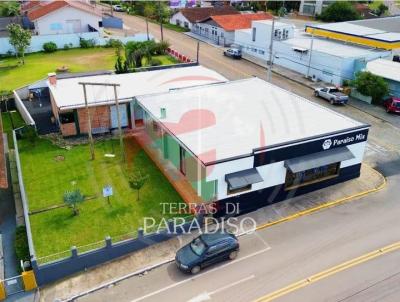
(38, 65)
(7, 126)
(49, 171)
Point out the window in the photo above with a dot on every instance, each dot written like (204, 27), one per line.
(182, 160)
(238, 190)
(67, 117)
(156, 128)
(261, 52)
(299, 179)
(178, 22)
(254, 34)
(186, 24)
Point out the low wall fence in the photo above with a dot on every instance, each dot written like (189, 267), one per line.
(22, 110)
(176, 54)
(72, 40)
(51, 268)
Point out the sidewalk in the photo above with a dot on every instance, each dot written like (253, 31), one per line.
(376, 111)
(164, 252)
(203, 39)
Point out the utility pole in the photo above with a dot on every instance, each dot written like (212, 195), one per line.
(271, 48)
(121, 139)
(161, 20)
(311, 50)
(89, 122)
(147, 28)
(197, 52)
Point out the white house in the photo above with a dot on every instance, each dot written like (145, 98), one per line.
(64, 17)
(187, 17)
(312, 8)
(331, 61)
(252, 143)
(221, 28)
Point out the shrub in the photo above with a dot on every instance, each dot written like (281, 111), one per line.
(21, 245)
(49, 47)
(161, 47)
(114, 43)
(67, 46)
(87, 43)
(155, 62)
(371, 85)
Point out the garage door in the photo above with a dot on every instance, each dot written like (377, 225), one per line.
(123, 114)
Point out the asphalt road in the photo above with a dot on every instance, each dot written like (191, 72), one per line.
(278, 256)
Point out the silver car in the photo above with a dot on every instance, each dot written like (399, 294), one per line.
(332, 94)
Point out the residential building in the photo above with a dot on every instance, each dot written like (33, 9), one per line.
(331, 61)
(187, 17)
(389, 70)
(313, 7)
(381, 33)
(221, 28)
(252, 143)
(63, 17)
(68, 102)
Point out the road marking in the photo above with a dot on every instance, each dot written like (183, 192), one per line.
(199, 275)
(326, 205)
(329, 272)
(221, 289)
(207, 296)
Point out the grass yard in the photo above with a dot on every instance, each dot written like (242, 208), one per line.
(49, 171)
(7, 126)
(38, 65)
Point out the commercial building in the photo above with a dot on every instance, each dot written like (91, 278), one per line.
(389, 70)
(251, 142)
(68, 101)
(381, 33)
(331, 61)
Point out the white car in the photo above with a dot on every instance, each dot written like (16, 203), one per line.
(332, 94)
(118, 8)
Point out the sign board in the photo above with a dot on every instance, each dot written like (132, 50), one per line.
(107, 191)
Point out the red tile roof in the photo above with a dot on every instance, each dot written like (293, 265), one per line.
(55, 5)
(196, 14)
(233, 22)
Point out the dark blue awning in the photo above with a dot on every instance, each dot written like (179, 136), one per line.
(243, 178)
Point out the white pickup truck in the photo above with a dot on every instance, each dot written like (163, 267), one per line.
(332, 94)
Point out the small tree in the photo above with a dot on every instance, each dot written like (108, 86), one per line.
(371, 85)
(382, 9)
(340, 11)
(20, 39)
(72, 199)
(137, 181)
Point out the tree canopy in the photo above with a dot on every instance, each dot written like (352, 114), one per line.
(371, 85)
(340, 11)
(20, 39)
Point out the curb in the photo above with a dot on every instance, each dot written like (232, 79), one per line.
(117, 280)
(328, 204)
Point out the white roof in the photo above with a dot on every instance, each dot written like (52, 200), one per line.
(385, 68)
(331, 47)
(233, 118)
(68, 94)
(349, 28)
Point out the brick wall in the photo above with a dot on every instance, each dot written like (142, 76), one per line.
(68, 129)
(100, 118)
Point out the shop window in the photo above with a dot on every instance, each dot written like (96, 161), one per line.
(67, 117)
(238, 190)
(307, 177)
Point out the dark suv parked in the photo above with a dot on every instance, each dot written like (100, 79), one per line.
(205, 250)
